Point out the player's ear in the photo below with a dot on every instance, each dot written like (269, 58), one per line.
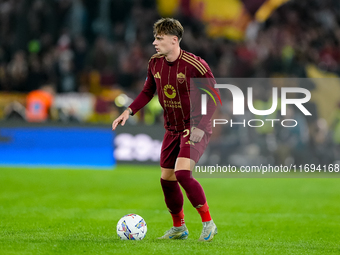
(174, 40)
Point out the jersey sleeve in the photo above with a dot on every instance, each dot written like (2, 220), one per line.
(146, 94)
(211, 106)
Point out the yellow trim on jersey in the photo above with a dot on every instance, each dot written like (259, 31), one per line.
(196, 61)
(180, 55)
(195, 65)
(156, 56)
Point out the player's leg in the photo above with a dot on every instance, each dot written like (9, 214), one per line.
(172, 192)
(173, 196)
(192, 187)
(185, 163)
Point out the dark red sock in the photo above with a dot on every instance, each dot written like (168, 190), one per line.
(204, 212)
(194, 192)
(174, 201)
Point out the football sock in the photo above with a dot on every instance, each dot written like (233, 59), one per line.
(204, 212)
(194, 192)
(178, 218)
(174, 201)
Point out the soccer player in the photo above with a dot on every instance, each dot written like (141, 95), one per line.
(187, 131)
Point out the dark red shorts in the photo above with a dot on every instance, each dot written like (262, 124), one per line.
(177, 144)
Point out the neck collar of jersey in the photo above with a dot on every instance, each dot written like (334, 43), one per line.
(174, 62)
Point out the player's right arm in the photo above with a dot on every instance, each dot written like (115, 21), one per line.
(141, 100)
(146, 94)
(122, 118)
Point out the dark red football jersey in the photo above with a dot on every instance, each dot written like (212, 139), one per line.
(180, 99)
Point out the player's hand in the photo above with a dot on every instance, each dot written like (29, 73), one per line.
(196, 135)
(121, 119)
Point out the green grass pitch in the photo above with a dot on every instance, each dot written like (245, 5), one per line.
(45, 211)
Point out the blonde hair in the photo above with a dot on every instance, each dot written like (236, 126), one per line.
(168, 26)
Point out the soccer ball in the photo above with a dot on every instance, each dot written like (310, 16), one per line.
(131, 227)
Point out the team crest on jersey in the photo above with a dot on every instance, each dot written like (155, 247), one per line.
(181, 77)
(169, 91)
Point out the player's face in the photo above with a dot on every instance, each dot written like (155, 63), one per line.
(164, 44)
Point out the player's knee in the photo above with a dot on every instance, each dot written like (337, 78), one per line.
(168, 174)
(184, 164)
(183, 176)
(169, 177)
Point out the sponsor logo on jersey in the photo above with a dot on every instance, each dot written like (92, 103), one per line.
(157, 75)
(181, 77)
(169, 91)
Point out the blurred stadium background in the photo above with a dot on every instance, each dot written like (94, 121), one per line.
(80, 63)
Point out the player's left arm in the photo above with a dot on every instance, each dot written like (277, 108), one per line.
(196, 135)
(198, 132)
